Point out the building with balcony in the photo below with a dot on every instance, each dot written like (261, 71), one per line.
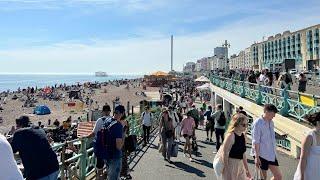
(289, 50)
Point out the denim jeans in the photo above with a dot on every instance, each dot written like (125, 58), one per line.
(52, 176)
(167, 145)
(114, 167)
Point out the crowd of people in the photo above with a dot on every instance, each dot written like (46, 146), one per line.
(269, 79)
(113, 142)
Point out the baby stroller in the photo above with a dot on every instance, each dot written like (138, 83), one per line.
(194, 145)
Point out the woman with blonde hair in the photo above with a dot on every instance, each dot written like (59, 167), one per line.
(308, 167)
(234, 148)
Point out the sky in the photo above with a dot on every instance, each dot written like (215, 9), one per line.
(133, 36)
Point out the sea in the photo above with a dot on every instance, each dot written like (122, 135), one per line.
(13, 81)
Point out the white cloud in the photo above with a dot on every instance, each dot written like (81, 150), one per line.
(150, 50)
(128, 5)
(143, 55)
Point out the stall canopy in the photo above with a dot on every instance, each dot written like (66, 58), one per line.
(202, 79)
(206, 86)
(41, 110)
(159, 73)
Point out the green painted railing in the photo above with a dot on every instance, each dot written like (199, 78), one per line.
(76, 157)
(288, 102)
(283, 143)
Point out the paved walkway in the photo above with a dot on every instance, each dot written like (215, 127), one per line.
(149, 164)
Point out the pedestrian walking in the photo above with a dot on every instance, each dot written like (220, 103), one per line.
(167, 133)
(124, 174)
(97, 127)
(234, 148)
(264, 143)
(188, 127)
(209, 123)
(308, 167)
(146, 124)
(219, 125)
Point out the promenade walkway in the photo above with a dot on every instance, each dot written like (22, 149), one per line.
(149, 164)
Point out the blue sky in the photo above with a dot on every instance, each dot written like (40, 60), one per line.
(133, 36)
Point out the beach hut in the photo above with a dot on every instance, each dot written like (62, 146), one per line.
(41, 110)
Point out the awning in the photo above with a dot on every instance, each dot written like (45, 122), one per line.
(202, 79)
(206, 86)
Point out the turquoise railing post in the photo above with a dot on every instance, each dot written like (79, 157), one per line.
(243, 93)
(284, 111)
(232, 85)
(259, 96)
(83, 159)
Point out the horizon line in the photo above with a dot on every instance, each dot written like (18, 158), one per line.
(52, 73)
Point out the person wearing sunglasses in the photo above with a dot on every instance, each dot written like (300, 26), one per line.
(234, 148)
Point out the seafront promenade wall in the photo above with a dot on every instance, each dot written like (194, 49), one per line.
(283, 125)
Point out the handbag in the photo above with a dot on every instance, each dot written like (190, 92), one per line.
(218, 164)
(174, 150)
(131, 143)
(257, 174)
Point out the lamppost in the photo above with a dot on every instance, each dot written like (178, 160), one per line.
(226, 45)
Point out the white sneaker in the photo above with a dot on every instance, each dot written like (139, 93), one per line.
(191, 160)
(214, 152)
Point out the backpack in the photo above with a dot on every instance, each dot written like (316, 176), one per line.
(100, 141)
(222, 119)
(144, 113)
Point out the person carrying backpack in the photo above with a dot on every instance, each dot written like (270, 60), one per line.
(219, 125)
(112, 142)
(97, 128)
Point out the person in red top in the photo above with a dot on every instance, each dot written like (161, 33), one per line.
(188, 126)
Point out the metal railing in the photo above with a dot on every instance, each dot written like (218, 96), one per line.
(77, 159)
(289, 103)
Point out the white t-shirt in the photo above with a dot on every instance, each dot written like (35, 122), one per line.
(8, 166)
(146, 118)
(99, 124)
(262, 78)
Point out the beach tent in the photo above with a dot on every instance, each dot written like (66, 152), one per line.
(206, 86)
(202, 79)
(41, 110)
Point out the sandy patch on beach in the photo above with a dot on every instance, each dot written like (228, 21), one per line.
(13, 108)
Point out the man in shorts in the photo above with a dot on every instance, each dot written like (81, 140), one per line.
(264, 143)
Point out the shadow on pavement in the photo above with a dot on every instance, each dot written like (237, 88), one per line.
(187, 168)
(203, 163)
